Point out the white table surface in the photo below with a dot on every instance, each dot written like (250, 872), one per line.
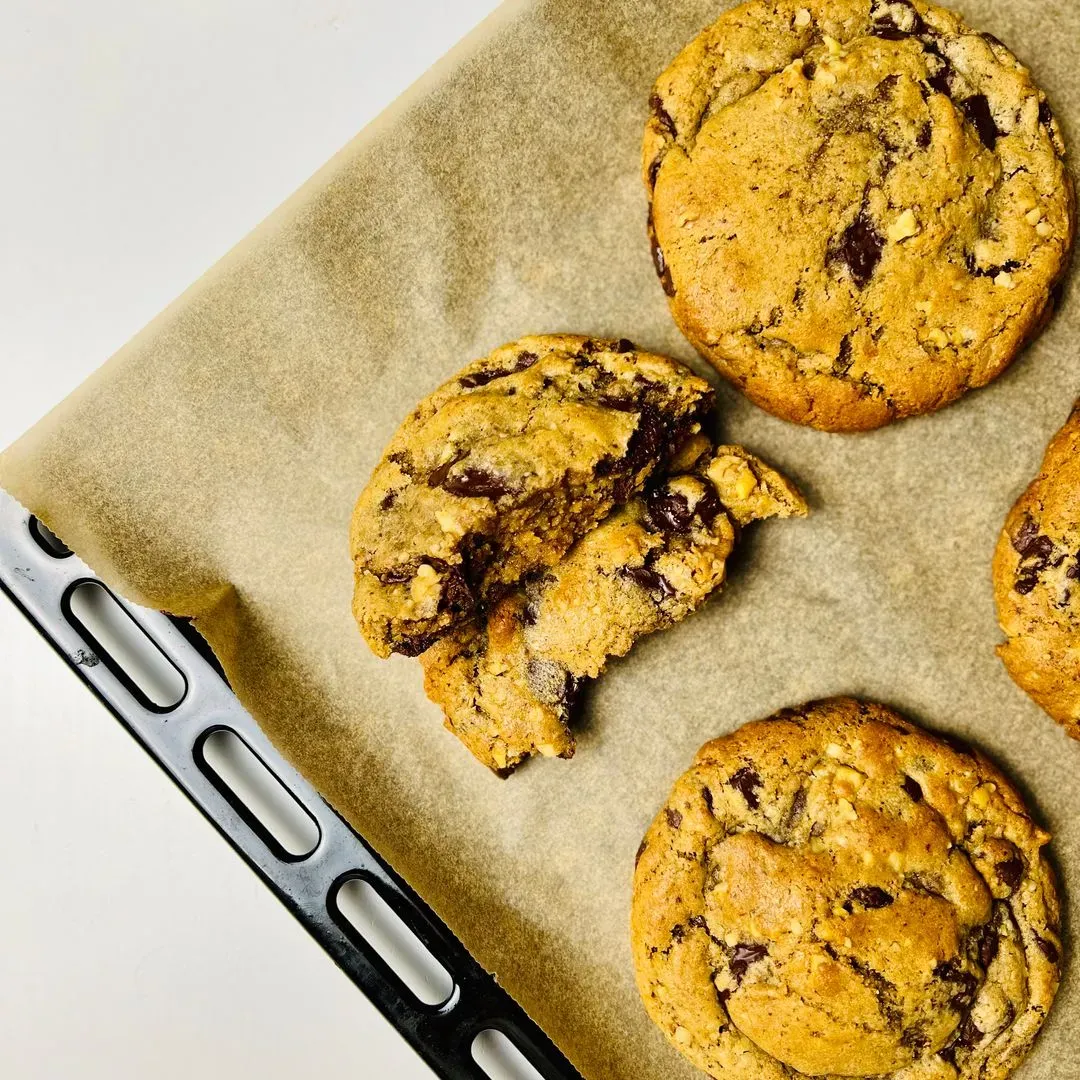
(141, 139)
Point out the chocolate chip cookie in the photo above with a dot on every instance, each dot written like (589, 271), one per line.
(501, 469)
(858, 208)
(1037, 582)
(508, 683)
(835, 892)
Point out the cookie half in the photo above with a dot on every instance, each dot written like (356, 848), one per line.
(1037, 582)
(859, 209)
(835, 892)
(501, 469)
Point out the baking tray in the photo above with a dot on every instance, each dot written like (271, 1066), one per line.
(39, 575)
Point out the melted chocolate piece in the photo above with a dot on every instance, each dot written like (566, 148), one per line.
(925, 136)
(871, 897)
(1024, 535)
(1046, 114)
(659, 263)
(525, 360)
(388, 500)
(859, 249)
(674, 818)
(798, 807)
(668, 511)
(1011, 872)
(656, 105)
(746, 782)
(977, 109)
(623, 345)
(913, 788)
(743, 956)
(706, 794)
(1049, 949)
(708, 506)
(640, 851)
(986, 946)
(476, 483)
(650, 580)
(1025, 583)
(842, 363)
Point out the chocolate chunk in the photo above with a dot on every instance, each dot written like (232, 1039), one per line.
(842, 363)
(476, 483)
(414, 646)
(659, 263)
(678, 931)
(552, 684)
(913, 788)
(746, 781)
(977, 109)
(948, 971)
(798, 807)
(1046, 114)
(674, 818)
(708, 506)
(859, 249)
(654, 169)
(1049, 949)
(808, 69)
(646, 444)
(925, 136)
(1073, 572)
(1025, 583)
(482, 378)
(388, 500)
(743, 956)
(887, 29)
(1025, 534)
(986, 946)
(623, 345)
(650, 580)
(924, 884)
(640, 851)
(438, 476)
(871, 897)
(914, 1038)
(456, 594)
(706, 794)
(942, 81)
(722, 996)
(656, 105)
(967, 1035)
(975, 270)
(1011, 872)
(885, 25)
(698, 922)
(668, 511)
(1041, 549)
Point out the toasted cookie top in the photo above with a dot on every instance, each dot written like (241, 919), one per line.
(835, 892)
(858, 208)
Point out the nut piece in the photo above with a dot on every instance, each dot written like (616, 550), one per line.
(904, 226)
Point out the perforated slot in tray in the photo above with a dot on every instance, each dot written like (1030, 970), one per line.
(158, 678)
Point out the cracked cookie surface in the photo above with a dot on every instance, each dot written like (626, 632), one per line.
(858, 209)
(836, 892)
(1037, 582)
(508, 683)
(501, 469)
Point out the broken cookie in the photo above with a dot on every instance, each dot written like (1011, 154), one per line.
(507, 683)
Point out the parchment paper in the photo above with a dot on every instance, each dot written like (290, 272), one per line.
(211, 466)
